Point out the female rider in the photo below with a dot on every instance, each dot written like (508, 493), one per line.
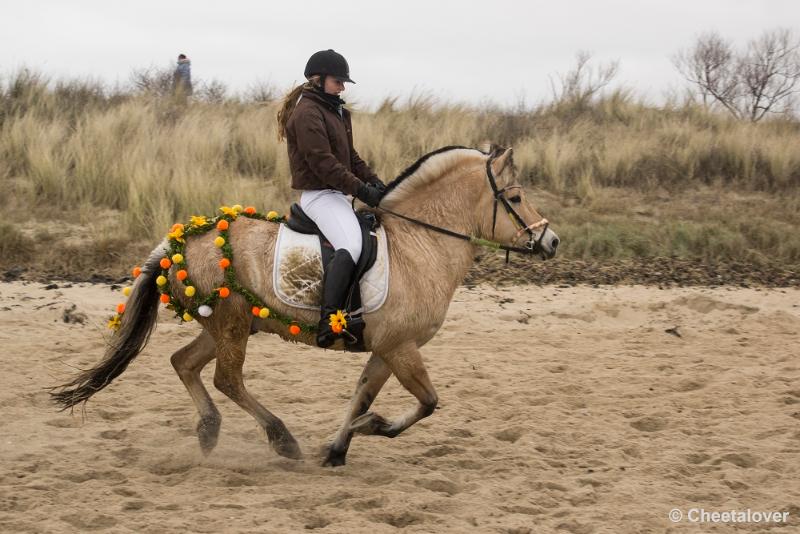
(326, 168)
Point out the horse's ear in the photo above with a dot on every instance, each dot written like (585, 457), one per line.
(502, 161)
(491, 149)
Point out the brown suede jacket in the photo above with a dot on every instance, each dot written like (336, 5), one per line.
(321, 153)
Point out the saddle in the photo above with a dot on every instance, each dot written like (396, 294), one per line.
(369, 223)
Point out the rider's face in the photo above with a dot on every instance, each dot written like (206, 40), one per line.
(333, 86)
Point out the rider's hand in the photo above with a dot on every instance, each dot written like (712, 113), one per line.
(369, 194)
(380, 185)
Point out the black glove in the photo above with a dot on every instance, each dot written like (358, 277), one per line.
(380, 185)
(369, 194)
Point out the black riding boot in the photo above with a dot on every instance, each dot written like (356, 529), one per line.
(335, 285)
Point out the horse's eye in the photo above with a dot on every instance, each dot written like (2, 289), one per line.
(516, 199)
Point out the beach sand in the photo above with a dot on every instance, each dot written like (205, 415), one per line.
(562, 409)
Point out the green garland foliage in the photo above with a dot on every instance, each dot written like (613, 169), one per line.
(177, 247)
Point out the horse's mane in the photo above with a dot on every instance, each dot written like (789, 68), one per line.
(429, 166)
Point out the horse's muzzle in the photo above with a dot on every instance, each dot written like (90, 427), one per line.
(546, 245)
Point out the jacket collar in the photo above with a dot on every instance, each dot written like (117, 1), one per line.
(333, 102)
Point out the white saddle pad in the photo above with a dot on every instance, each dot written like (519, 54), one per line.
(297, 275)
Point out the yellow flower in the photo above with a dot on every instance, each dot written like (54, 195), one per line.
(114, 322)
(338, 321)
(198, 220)
(176, 234)
(187, 316)
(272, 215)
(233, 212)
(219, 241)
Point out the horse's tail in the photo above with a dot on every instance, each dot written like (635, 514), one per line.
(138, 321)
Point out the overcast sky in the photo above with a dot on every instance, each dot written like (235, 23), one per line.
(467, 51)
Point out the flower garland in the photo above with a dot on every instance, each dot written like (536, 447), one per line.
(204, 305)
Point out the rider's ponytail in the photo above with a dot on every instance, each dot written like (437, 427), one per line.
(289, 103)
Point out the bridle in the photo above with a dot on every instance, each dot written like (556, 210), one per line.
(534, 244)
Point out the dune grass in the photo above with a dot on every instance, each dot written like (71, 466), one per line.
(618, 178)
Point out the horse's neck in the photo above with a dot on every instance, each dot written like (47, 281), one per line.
(445, 203)
(441, 259)
(435, 263)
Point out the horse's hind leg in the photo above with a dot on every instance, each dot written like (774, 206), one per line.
(406, 364)
(188, 362)
(231, 345)
(372, 379)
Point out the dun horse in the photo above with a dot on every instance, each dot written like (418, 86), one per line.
(465, 191)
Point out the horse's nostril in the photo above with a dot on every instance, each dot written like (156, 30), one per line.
(554, 243)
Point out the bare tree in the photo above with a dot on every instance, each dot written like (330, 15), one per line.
(770, 73)
(711, 65)
(749, 84)
(579, 85)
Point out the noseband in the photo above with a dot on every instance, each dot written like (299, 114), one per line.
(533, 246)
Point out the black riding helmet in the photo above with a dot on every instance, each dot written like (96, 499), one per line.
(328, 63)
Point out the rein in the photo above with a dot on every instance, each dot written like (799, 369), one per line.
(535, 246)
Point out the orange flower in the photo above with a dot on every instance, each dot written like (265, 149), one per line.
(294, 329)
(250, 210)
(137, 271)
(121, 308)
(255, 310)
(165, 263)
(224, 292)
(224, 263)
(164, 298)
(182, 275)
(222, 225)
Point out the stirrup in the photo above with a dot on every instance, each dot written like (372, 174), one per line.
(335, 328)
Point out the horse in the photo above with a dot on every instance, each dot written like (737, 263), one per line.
(453, 192)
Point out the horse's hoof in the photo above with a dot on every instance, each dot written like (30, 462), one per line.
(371, 424)
(287, 447)
(334, 457)
(208, 433)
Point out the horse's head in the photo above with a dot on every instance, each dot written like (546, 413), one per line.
(507, 215)
(473, 191)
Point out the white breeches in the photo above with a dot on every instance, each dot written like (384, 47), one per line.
(334, 215)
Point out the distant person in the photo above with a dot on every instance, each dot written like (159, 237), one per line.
(182, 77)
(327, 169)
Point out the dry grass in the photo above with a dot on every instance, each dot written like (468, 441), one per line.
(618, 178)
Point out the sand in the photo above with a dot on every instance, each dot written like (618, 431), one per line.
(561, 410)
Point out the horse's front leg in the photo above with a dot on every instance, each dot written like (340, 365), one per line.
(405, 362)
(372, 379)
